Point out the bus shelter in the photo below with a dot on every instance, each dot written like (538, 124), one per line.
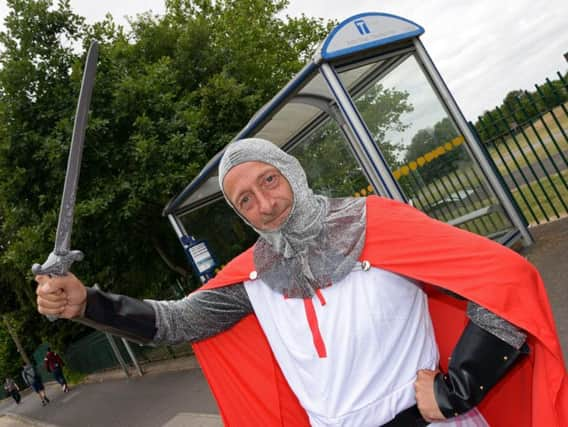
(369, 114)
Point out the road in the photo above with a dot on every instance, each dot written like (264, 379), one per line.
(167, 399)
(549, 166)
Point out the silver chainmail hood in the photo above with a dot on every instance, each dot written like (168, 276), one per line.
(322, 238)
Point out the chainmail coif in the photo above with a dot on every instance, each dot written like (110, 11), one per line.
(321, 240)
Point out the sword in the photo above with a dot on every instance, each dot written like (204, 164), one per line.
(60, 259)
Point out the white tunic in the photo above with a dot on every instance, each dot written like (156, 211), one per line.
(350, 353)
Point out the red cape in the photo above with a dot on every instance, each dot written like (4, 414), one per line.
(251, 390)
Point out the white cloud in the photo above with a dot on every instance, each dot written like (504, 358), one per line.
(119, 9)
(483, 49)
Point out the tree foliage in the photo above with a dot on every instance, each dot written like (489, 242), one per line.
(169, 94)
(427, 140)
(520, 107)
(329, 164)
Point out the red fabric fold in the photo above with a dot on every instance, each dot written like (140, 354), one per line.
(251, 390)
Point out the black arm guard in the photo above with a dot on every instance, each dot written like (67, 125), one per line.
(120, 315)
(478, 361)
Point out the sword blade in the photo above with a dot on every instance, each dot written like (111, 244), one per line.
(66, 211)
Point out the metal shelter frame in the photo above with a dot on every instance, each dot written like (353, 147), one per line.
(375, 44)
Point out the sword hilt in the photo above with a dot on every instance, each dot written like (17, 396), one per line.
(57, 265)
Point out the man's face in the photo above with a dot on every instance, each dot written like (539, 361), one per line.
(260, 193)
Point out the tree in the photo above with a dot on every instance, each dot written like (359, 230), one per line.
(381, 108)
(325, 156)
(430, 139)
(168, 95)
(520, 107)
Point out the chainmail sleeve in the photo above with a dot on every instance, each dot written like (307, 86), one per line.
(490, 322)
(496, 325)
(200, 315)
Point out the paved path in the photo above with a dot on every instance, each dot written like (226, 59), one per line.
(161, 398)
(550, 255)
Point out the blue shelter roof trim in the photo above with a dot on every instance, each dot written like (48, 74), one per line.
(361, 22)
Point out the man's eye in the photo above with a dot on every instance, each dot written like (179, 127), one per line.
(244, 201)
(271, 178)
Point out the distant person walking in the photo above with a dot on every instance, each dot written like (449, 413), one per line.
(33, 379)
(12, 389)
(54, 364)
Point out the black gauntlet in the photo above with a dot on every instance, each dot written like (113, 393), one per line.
(478, 362)
(120, 315)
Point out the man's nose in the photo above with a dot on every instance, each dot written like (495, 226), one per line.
(265, 203)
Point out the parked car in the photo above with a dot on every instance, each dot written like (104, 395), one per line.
(448, 204)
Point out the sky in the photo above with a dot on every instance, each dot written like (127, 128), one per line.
(483, 49)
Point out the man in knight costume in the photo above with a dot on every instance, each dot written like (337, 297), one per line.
(350, 312)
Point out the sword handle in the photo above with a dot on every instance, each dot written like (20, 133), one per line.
(57, 265)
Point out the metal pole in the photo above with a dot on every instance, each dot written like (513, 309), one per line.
(132, 356)
(117, 354)
(456, 113)
(114, 347)
(181, 233)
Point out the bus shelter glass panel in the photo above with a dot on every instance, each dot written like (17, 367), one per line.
(423, 147)
(329, 164)
(321, 145)
(224, 231)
